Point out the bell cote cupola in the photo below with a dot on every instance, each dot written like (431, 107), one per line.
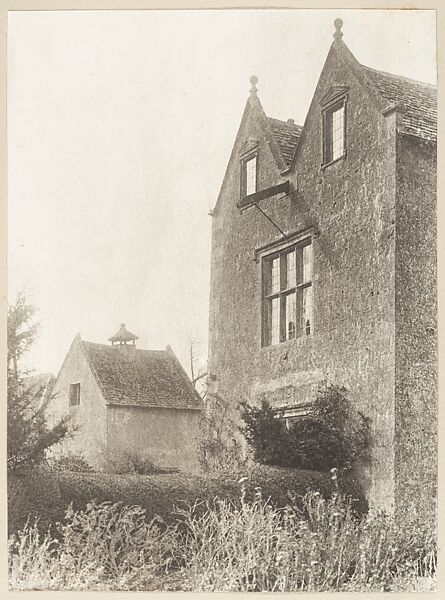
(123, 337)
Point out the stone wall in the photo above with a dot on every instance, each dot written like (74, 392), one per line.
(416, 327)
(89, 416)
(167, 437)
(350, 206)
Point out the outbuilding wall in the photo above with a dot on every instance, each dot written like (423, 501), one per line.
(166, 437)
(88, 419)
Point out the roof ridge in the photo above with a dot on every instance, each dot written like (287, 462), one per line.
(285, 122)
(108, 347)
(403, 77)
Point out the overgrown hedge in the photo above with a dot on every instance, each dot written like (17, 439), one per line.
(46, 493)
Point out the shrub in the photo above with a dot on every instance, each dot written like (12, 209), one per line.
(349, 427)
(47, 493)
(70, 462)
(334, 434)
(267, 436)
(278, 484)
(222, 446)
(134, 463)
(33, 494)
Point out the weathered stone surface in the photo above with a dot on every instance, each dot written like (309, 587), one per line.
(416, 327)
(369, 331)
(89, 418)
(168, 438)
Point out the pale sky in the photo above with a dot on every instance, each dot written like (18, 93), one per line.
(120, 127)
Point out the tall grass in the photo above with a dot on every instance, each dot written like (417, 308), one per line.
(314, 546)
(311, 545)
(105, 546)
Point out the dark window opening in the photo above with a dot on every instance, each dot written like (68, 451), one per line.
(74, 394)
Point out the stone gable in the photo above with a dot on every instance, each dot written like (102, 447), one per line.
(349, 209)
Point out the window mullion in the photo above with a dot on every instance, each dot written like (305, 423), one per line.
(283, 284)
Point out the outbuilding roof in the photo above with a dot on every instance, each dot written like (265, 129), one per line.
(147, 378)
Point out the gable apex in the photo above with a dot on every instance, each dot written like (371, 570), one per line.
(334, 92)
(249, 145)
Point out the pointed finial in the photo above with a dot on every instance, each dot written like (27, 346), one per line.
(338, 23)
(253, 80)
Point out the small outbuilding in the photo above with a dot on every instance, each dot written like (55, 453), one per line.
(127, 404)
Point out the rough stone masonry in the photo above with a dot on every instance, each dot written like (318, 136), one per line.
(370, 217)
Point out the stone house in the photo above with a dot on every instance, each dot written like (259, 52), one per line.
(323, 265)
(126, 402)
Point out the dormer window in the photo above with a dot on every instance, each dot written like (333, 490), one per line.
(249, 167)
(334, 124)
(335, 133)
(251, 176)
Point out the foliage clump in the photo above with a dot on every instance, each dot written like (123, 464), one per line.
(333, 434)
(28, 433)
(313, 544)
(72, 462)
(133, 462)
(222, 446)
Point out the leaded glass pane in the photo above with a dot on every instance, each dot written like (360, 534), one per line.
(338, 132)
(307, 263)
(251, 176)
(275, 321)
(291, 316)
(275, 278)
(290, 270)
(307, 310)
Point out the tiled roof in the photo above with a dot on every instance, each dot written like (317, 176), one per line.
(133, 377)
(286, 135)
(417, 100)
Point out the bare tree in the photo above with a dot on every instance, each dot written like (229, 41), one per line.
(198, 375)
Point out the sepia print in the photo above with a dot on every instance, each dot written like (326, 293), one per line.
(222, 321)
